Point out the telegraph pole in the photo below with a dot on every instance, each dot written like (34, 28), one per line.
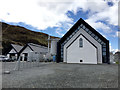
(48, 43)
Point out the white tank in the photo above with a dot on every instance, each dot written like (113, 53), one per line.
(53, 50)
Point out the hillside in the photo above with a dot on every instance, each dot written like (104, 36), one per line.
(19, 35)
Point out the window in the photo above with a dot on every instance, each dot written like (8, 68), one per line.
(104, 49)
(93, 35)
(75, 30)
(102, 42)
(70, 36)
(65, 41)
(36, 53)
(103, 45)
(86, 29)
(96, 37)
(99, 40)
(81, 25)
(81, 42)
(104, 53)
(89, 32)
(81, 60)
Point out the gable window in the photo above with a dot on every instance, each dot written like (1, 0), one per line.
(92, 34)
(83, 27)
(86, 29)
(96, 37)
(99, 40)
(104, 53)
(79, 27)
(81, 42)
(104, 49)
(89, 32)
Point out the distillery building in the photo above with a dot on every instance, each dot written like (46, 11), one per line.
(83, 44)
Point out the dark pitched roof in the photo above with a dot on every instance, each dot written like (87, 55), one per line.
(35, 47)
(17, 47)
(72, 29)
(75, 26)
(118, 52)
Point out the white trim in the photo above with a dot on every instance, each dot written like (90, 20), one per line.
(81, 31)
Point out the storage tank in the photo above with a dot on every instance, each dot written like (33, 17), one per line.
(53, 49)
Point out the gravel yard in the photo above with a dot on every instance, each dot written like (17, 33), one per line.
(61, 75)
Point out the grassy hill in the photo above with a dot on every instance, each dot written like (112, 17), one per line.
(19, 35)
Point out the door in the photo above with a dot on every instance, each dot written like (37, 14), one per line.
(25, 56)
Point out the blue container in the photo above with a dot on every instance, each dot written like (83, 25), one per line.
(54, 58)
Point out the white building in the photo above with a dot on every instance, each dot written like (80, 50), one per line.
(14, 51)
(53, 49)
(32, 51)
(83, 44)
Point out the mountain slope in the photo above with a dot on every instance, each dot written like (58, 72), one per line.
(19, 35)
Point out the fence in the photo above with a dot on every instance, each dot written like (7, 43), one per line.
(21, 65)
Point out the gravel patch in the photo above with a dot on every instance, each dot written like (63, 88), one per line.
(61, 75)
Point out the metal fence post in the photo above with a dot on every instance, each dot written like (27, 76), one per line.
(19, 63)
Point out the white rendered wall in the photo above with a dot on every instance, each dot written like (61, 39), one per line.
(53, 50)
(8, 55)
(26, 50)
(16, 55)
(12, 51)
(23, 57)
(81, 31)
(87, 53)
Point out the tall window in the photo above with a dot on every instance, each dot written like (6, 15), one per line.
(81, 42)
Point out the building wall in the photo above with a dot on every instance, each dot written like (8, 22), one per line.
(26, 50)
(12, 51)
(76, 53)
(12, 54)
(53, 49)
(81, 31)
(37, 54)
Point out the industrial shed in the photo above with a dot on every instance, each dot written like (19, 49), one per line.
(13, 51)
(31, 50)
(83, 44)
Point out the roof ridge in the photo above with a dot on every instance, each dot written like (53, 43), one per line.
(16, 45)
(37, 45)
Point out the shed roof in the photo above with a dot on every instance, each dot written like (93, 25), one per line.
(37, 48)
(17, 47)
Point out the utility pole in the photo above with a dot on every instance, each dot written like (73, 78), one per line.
(48, 43)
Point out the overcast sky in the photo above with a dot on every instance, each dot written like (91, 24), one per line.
(56, 17)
